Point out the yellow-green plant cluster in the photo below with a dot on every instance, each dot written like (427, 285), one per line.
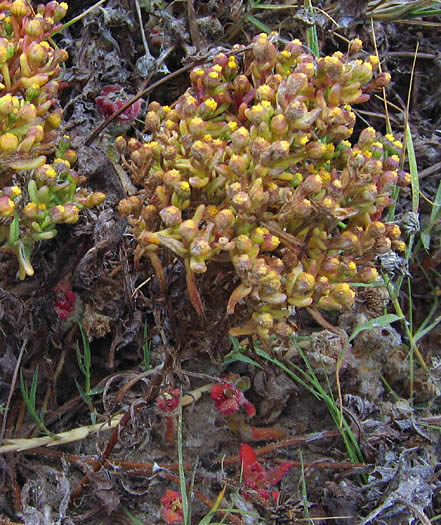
(252, 166)
(34, 195)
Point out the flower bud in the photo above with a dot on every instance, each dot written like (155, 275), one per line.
(7, 206)
(263, 50)
(260, 112)
(303, 208)
(31, 210)
(295, 47)
(346, 242)
(33, 28)
(6, 105)
(19, 9)
(304, 284)
(241, 201)
(330, 267)
(278, 150)
(295, 110)
(382, 245)
(295, 83)
(239, 139)
(258, 147)
(368, 274)
(200, 247)
(201, 152)
(270, 243)
(27, 113)
(71, 156)
(129, 206)
(264, 319)
(404, 179)
(381, 81)
(367, 137)
(95, 199)
(171, 216)
(54, 119)
(37, 55)
(60, 11)
(355, 46)
(207, 108)
(224, 220)
(343, 295)
(393, 231)
(398, 246)
(387, 181)
(265, 92)
(8, 143)
(312, 184)
(376, 229)
(279, 125)
(172, 178)
(316, 150)
(152, 122)
(6, 50)
(148, 213)
(243, 244)
(188, 230)
(46, 175)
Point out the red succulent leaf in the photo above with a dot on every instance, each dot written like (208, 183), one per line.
(168, 399)
(249, 408)
(228, 399)
(171, 507)
(254, 474)
(277, 473)
(113, 98)
(65, 299)
(228, 407)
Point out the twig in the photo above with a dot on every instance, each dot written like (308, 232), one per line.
(430, 170)
(291, 442)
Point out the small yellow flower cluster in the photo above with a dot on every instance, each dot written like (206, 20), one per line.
(253, 167)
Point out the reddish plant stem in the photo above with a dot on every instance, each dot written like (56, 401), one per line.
(298, 440)
(135, 468)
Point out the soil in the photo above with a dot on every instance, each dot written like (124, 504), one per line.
(390, 404)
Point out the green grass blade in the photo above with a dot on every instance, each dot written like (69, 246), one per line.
(435, 216)
(134, 520)
(311, 33)
(413, 169)
(260, 25)
(378, 322)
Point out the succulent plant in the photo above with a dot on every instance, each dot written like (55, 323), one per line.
(252, 166)
(35, 194)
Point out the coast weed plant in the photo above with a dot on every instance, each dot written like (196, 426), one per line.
(36, 194)
(253, 167)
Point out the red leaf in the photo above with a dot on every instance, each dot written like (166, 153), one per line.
(276, 474)
(253, 473)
